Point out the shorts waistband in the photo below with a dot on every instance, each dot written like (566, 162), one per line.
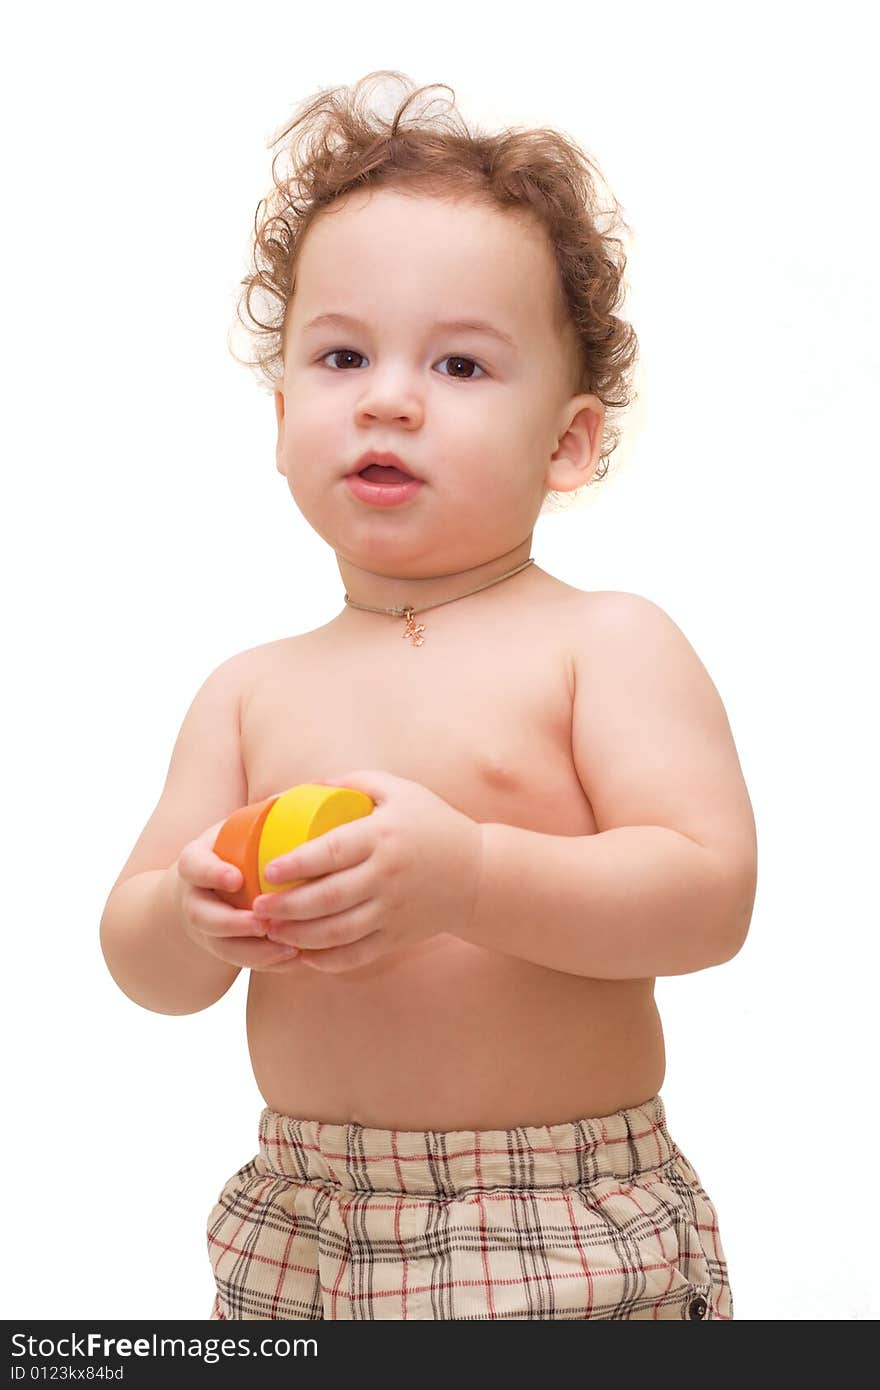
(447, 1162)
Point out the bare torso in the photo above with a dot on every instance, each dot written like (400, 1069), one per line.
(443, 1035)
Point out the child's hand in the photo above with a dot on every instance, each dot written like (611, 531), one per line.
(405, 872)
(230, 933)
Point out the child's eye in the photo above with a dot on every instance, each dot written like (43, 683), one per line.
(349, 352)
(352, 352)
(470, 362)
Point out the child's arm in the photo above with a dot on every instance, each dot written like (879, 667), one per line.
(145, 947)
(667, 886)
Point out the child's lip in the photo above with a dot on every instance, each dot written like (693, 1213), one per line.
(383, 494)
(384, 460)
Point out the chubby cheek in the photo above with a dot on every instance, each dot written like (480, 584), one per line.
(312, 487)
(316, 433)
(313, 460)
(508, 478)
(482, 511)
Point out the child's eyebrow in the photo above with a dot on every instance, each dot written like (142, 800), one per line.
(452, 325)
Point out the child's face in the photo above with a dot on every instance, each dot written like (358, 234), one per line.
(487, 439)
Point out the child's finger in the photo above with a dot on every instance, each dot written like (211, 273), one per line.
(250, 954)
(216, 918)
(204, 869)
(228, 876)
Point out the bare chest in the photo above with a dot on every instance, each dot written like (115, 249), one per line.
(481, 715)
(483, 720)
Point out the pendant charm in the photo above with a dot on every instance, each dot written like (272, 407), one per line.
(413, 629)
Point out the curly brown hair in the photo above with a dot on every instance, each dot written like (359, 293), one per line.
(335, 144)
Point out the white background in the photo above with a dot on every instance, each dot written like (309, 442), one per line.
(147, 537)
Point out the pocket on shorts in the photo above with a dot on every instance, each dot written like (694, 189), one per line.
(225, 1205)
(702, 1256)
(639, 1246)
(224, 1224)
(240, 1178)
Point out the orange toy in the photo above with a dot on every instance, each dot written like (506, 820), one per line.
(254, 835)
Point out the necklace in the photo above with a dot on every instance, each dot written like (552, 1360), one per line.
(415, 630)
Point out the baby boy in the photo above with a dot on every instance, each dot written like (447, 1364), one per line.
(451, 1017)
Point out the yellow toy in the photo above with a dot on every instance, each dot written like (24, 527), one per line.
(254, 835)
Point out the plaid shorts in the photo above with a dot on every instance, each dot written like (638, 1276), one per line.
(594, 1218)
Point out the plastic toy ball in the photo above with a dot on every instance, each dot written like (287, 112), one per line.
(255, 835)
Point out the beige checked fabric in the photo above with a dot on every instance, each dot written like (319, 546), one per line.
(594, 1218)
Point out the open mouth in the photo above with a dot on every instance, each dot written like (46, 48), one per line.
(378, 473)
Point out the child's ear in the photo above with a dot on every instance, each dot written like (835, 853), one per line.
(577, 455)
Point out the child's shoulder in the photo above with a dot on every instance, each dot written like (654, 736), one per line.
(617, 634)
(619, 610)
(265, 655)
(613, 600)
(246, 671)
(631, 634)
(651, 741)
